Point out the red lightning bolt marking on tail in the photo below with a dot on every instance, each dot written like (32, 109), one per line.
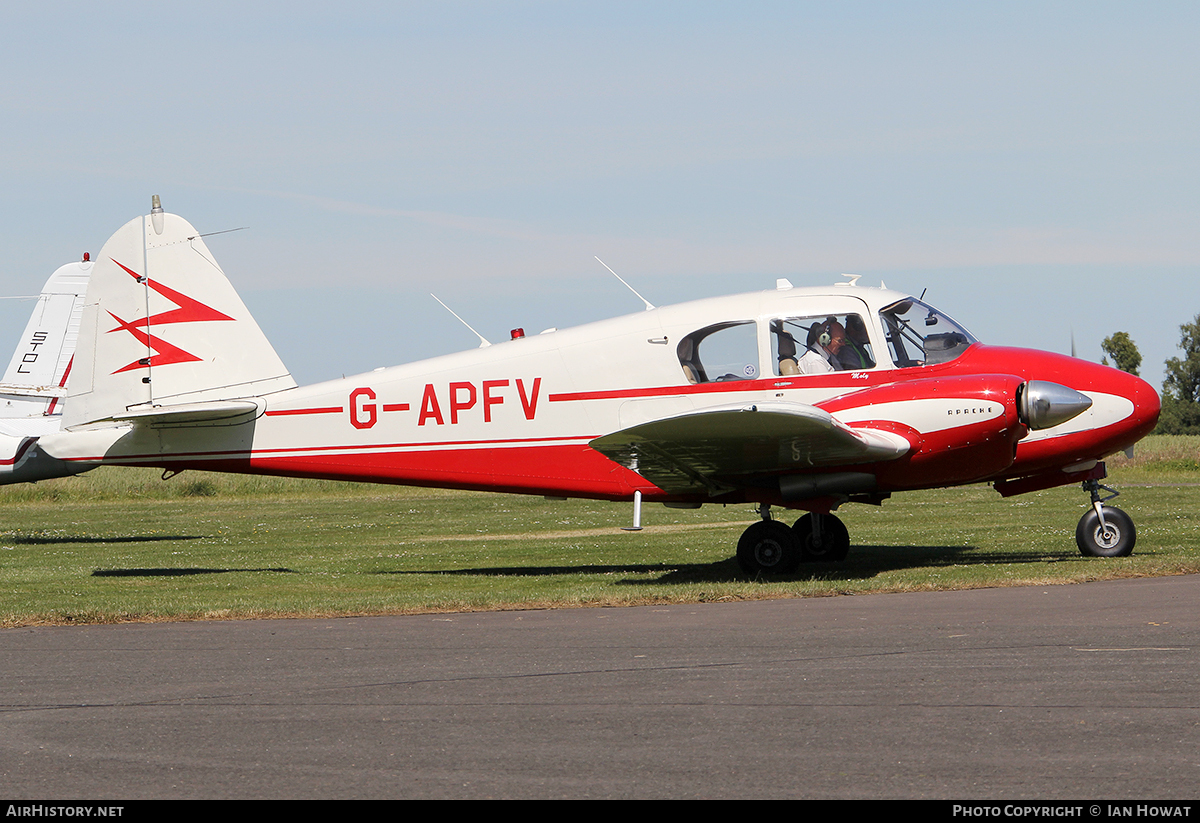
(189, 311)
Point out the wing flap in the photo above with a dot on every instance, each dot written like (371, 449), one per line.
(711, 449)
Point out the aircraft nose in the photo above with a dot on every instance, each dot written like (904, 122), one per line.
(1147, 404)
(1043, 404)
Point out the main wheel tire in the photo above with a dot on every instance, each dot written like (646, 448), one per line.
(1115, 541)
(834, 544)
(768, 547)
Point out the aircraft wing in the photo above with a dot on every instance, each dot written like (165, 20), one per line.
(714, 449)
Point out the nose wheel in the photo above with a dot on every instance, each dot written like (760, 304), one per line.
(1105, 531)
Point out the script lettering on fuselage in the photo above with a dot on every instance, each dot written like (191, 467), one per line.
(451, 403)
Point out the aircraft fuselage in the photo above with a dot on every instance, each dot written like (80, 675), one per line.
(518, 416)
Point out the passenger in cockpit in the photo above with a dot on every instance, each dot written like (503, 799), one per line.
(825, 340)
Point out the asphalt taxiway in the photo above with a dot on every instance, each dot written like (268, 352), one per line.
(1058, 692)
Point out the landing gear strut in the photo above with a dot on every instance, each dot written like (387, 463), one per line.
(1105, 531)
(770, 547)
(822, 537)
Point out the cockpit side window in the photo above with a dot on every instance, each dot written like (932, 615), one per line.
(821, 344)
(726, 351)
(937, 340)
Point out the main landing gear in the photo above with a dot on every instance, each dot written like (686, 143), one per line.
(772, 547)
(1105, 531)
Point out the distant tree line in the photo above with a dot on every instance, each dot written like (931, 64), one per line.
(1181, 387)
(1120, 347)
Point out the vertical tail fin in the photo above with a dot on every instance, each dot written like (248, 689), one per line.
(32, 388)
(162, 326)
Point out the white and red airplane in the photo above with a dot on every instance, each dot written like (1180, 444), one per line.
(34, 385)
(800, 398)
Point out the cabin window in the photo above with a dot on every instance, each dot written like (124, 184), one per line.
(821, 344)
(920, 335)
(726, 351)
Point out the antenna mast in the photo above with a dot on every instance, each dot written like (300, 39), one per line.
(483, 343)
(649, 306)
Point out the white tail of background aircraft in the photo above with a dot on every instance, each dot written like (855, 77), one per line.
(33, 389)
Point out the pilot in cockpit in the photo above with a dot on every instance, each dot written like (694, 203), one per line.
(855, 354)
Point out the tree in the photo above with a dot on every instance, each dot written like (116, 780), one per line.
(1181, 388)
(1125, 355)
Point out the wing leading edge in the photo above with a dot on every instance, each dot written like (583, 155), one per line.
(712, 449)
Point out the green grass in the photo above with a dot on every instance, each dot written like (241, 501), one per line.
(121, 544)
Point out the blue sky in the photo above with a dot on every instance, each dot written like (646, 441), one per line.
(1033, 165)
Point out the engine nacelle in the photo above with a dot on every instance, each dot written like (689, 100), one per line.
(963, 429)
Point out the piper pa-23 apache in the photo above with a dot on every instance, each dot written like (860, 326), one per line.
(795, 398)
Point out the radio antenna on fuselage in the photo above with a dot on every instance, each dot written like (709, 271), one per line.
(483, 343)
(649, 305)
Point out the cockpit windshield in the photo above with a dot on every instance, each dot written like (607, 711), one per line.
(920, 335)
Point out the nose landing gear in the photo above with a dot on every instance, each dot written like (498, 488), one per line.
(1105, 531)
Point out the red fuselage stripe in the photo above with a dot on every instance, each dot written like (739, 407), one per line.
(383, 448)
(20, 453)
(322, 410)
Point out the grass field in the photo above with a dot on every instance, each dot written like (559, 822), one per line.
(121, 544)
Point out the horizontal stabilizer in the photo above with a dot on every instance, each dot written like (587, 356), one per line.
(710, 450)
(223, 412)
(18, 390)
